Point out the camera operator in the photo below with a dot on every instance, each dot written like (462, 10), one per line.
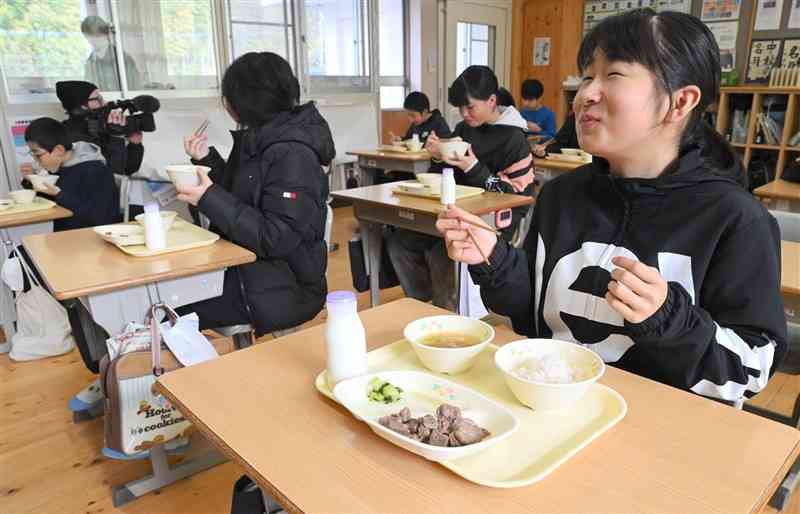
(123, 153)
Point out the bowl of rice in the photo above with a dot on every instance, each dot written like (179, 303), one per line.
(547, 374)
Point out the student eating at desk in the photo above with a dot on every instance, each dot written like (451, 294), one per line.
(654, 256)
(269, 197)
(498, 159)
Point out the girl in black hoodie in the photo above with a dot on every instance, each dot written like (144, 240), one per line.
(654, 256)
(269, 197)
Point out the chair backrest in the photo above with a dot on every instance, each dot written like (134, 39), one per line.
(789, 224)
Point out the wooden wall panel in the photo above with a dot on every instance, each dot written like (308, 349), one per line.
(562, 22)
(393, 121)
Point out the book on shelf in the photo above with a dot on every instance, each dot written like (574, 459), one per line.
(741, 120)
(795, 139)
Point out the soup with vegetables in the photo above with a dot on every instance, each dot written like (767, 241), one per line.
(450, 340)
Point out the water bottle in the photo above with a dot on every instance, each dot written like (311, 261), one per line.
(345, 339)
(448, 187)
(155, 238)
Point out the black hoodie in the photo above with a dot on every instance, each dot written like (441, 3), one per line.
(271, 198)
(436, 123)
(721, 330)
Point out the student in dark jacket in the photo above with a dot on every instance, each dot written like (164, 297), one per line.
(84, 185)
(499, 159)
(269, 197)
(654, 256)
(123, 154)
(423, 121)
(566, 137)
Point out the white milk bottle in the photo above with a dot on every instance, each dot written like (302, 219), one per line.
(345, 340)
(155, 238)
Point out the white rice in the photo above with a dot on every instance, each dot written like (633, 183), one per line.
(552, 369)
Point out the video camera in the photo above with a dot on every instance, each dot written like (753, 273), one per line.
(140, 111)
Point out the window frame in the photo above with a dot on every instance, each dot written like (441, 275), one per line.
(396, 80)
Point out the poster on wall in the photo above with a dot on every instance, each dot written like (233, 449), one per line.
(768, 14)
(791, 54)
(794, 15)
(725, 33)
(18, 126)
(763, 57)
(721, 10)
(541, 51)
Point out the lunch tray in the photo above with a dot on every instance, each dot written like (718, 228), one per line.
(544, 440)
(181, 236)
(38, 204)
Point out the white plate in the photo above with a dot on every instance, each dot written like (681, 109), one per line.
(422, 394)
(122, 235)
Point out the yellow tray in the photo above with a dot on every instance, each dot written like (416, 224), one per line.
(544, 440)
(400, 149)
(182, 236)
(461, 192)
(38, 204)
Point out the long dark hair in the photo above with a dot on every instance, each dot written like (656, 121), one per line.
(680, 51)
(259, 85)
(477, 82)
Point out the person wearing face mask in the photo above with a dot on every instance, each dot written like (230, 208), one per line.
(498, 159)
(101, 66)
(655, 255)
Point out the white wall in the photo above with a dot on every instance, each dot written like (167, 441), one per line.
(424, 48)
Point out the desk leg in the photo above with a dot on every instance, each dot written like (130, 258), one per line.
(372, 239)
(163, 475)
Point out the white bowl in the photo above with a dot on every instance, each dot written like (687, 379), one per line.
(6, 204)
(545, 395)
(431, 180)
(571, 151)
(185, 174)
(422, 394)
(37, 180)
(414, 146)
(167, 219)
(448, 360)
(453, 148)
(22, 196)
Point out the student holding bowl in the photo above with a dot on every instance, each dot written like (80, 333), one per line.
(655, 256)
(269, 197)
(493, 153)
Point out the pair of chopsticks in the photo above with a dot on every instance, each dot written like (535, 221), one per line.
(474, 241)
(202, 128)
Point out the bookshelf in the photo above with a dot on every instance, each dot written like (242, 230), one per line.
(725, 114)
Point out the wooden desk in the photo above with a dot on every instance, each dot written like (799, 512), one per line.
(372, 161)
(117, 288)
(375, 206)
(13, 227)
(34, 217)
(780, 195)
(673, 452)
(99, 267)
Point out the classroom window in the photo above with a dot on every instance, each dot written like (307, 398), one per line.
(262, 26)
(336, 45)
(167, 44)
(41, 42)
(392, 53)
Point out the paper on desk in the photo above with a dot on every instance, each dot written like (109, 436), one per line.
(186, 342)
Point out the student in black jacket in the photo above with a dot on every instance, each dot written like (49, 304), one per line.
(269, 197)
(566, 137)
(123, 154)
(84, 184)
(423, 121)
(655, 256)
(499, 159)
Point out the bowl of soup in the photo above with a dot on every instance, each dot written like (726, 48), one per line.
(448, 344)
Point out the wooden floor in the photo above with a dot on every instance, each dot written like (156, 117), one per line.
(49, 465)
